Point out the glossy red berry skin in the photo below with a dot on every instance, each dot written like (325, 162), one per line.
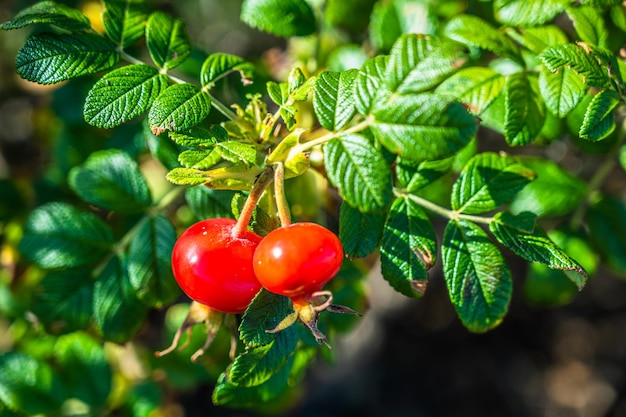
(297, 260)
(214, 268)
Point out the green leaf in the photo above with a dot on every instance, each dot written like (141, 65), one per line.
(166, 40)
(478, 278)
(607, 231)
(79, 355)
(199, 137)
(578, 59)
(200, 159)
(391, 19)
(368, 82)
(475, 87)
(258, 364)
(423, 126)
(408, 249)
(227, 394)
(219, 65)
(122, 94)
(601, 3)
(359, 233)
(527, 12)
(359, 171)
(418, 63)
(57, 235)
(187, 176)
(284, 18)
(237, 152)
(29, 385)
(561, 90)
(589, 25)
(179, 108)
(599, 121)
(333, 101)
(517, 234)
(206, 203)
(488, 181)
(414, 176)
(47, 58)
(537, 39)
(264, 313)
(63, 300)
(118, 313)
(524, 109)
(111, 179)
(474, 31)
(150, 264)
(554, 192)
(124, 21)
(49, 12)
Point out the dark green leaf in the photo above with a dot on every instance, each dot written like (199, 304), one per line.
(150, 264)
(533, 245)
(478, 278)
(47, 58)
(11, 200)
(475, 87)
(423, 126)
(561, 90)
(123, 94)
(63, 300)
(527, 12)
(118, 313)
(525, 111)
(418, 63)
(408, 249)
(333, 101)
(474, 31)
(80, 355)
(219, 65)
(599, 119)
(359, 171)
(29, 385)
(49, 12)
(124, 21)
(359, 232)
(166, 40)
(257, 365)
(554, 192)
(579, 60)
(589, 25)
(284, 18)
(488, 181)
(414, 176)
(368, 82)
(57, 235)
(179, 108)
(264, 313)
(607, 231)
(351, 15)
(111, 179)
(206, 203)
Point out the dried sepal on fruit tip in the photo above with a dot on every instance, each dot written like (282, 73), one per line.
(198, 313)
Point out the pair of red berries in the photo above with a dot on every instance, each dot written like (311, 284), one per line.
(224, 272)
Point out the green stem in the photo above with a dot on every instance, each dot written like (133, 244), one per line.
(442, 211)
(279, 190)
(303, 147)
(261, 183)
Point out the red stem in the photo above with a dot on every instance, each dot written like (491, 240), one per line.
(263, 180)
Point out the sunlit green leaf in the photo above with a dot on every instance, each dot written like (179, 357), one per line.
(408, 249)
(58, 235)
(524, 109)
(334, 98)
(359, 171)
(475, 87)
(579, 60)
(149, 262)
(124, 21)
(414, 176)
(368, 82)
(391, 19)
(589, 25)
(478, 278)
(111, 179)
(179, 108)
(264, 313)
(237, 152)
(50, 12)
(199, 137)
(599, 119)
(561, 90)
(279, 17)
(527, 12)
(47, 58)
(200, 159)
(166, 40)
(539, 38)
(123, 94)
(219, 65)
(187, 176)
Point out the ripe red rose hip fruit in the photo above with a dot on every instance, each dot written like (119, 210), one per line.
(297, 260)
(214, 268)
